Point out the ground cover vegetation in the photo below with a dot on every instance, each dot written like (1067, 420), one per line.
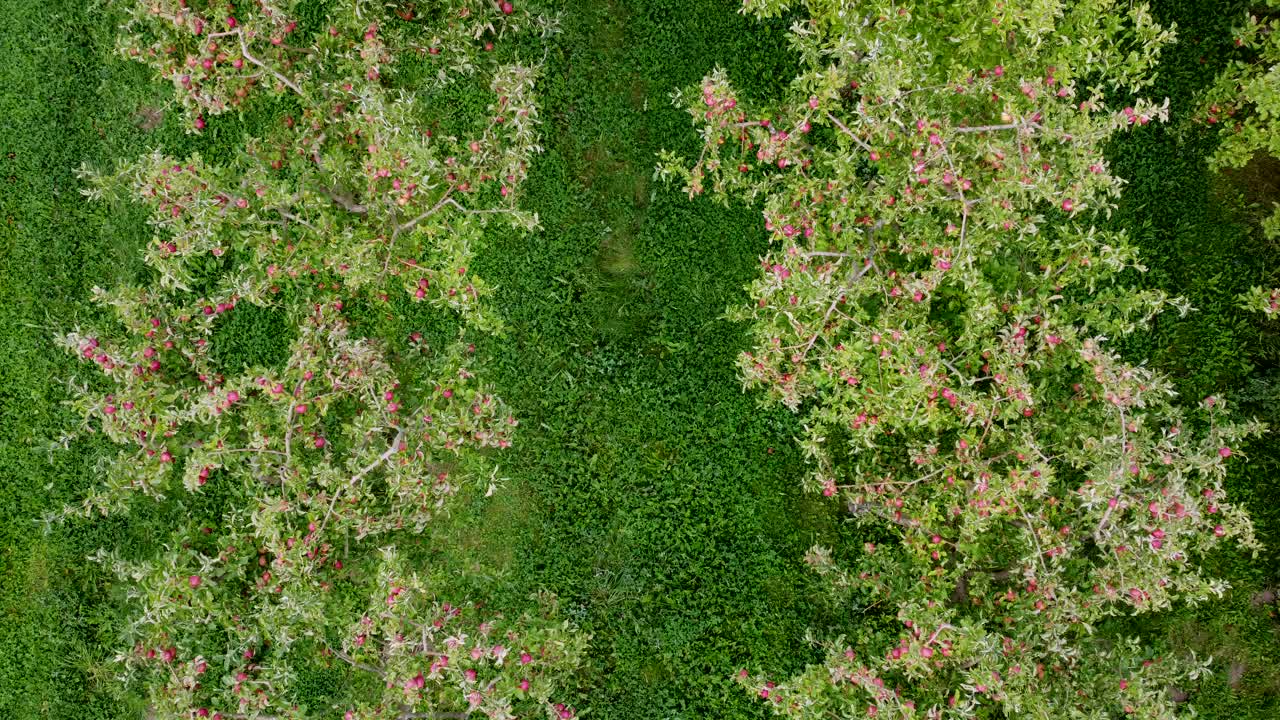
(644, 528)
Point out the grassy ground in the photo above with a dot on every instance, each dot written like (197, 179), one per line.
(653, 496)
(54, 248)
(647, 490)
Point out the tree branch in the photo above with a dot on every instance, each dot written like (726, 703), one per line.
(244, 48)
(469, 211)
(353, 663)
(395, 444)
(867, 265)
(934, 636)
(294, 218)
(347, 203)
(410, 224)
(1005, 126)
(1124, 449)
(288, 435)
(844, 129)
(1031, 529)
(315, 154)
(964, 202)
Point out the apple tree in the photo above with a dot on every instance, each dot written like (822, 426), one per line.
(325, 461)
(939, 306)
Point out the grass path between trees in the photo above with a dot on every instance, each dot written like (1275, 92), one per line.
(646, 489)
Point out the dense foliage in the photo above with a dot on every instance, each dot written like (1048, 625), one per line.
(939, 303)
(342, 445)
(1245, 101)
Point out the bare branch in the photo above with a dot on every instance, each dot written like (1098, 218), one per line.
(395, 444)
(1005, 126)
(244, 48)
(1124, 448)
(1031, 529)
(845, 129)
(934, 636)
(409, 225)
(867, 265)
(469, 211)
(354, 663)
(315, 154)
(346, 202)
(294, 218)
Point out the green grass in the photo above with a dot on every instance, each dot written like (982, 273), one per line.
(645, 489)
(55, 247)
